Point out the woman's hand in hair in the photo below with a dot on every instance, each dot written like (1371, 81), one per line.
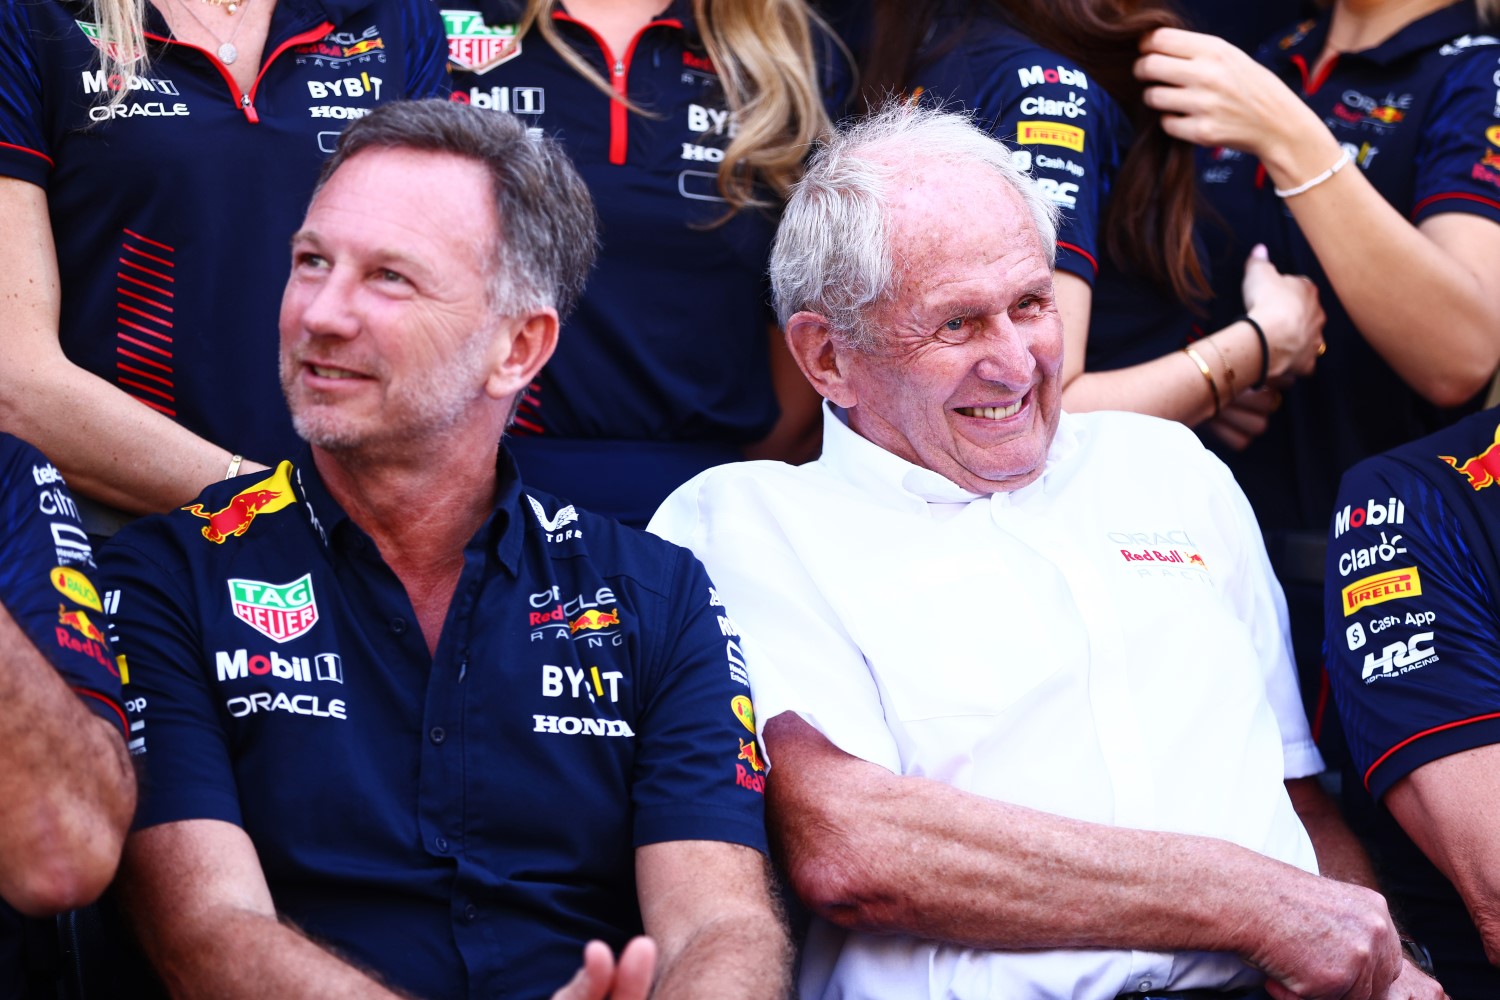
(1211, 93)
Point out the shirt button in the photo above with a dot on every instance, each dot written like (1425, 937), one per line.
(438, 735)
(441, 844)
(1145, 985)
(471, 913)
(398, 626)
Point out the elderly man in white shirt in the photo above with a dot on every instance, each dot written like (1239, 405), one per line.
(1023, 676)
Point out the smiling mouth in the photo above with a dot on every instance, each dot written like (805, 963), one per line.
(991, 412)
(323, 372)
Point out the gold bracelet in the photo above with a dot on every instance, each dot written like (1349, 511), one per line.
(1228, 371)
(1213, 386)
(234, 466)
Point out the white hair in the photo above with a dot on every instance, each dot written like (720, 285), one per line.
(832, 254)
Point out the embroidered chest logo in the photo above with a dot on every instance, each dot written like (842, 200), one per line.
(280, 612)
(476, 46)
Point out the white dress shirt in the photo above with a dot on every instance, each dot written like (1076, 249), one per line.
(1107, 643)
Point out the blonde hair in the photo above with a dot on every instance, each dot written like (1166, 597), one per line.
(763, 52)
(121, 42)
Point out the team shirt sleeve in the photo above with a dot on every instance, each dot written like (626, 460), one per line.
(47, 585)
(1458, 155)
(1413, 640)
(427, 55)
(799, 655)
(1058, 122)
(174, 719)
(699, 773)
(24, 154)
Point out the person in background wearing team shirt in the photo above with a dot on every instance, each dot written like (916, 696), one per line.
(155, 158)
(67, 790)
(1363, 149)
(1054, 80)
(1412, 612)
(406, 719)
(688, 121)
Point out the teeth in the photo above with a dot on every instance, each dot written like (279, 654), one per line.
(331, 372)
(991, 412)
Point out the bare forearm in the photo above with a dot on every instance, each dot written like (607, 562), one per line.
(245, 955)
(1394, 280)
(110, 447)
(1172, 386)
(1340, 855)
(67, 791)
(731, 959)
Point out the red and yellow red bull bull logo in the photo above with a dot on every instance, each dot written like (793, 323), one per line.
(265, 497)
(93, 643)
(750, 754)
(1484, 468)
(593, 618)
(1391, 585)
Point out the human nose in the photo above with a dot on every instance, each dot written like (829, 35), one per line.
(327, 304)
(1005, 356)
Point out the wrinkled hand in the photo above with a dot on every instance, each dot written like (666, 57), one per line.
(1414, 984)
(1287, 308)
(1326, 940)
(601, 978)
(1213, 94)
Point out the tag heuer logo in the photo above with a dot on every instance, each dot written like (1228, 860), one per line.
(476, 46)
(278, 611)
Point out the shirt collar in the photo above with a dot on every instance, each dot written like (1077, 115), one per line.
(502, 532)
(1442, 25)
(889, 477)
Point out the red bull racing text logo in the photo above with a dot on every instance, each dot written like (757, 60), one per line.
(1390, 586)
(1484, 468)
(751, 777)
(269, 495)
(1188, 559)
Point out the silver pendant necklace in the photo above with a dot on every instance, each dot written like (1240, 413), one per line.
(227, 52)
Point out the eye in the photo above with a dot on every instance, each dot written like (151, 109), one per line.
(954, 325)
(386, 274)
(306, 258)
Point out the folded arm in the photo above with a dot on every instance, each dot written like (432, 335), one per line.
(883, 853)
(67, 791)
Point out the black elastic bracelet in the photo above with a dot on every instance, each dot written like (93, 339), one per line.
(1265, 350)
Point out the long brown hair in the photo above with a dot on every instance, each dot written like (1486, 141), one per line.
(1147, 227)
(763, 51)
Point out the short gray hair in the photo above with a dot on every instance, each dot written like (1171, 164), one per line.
(833, 254)
(548, 232)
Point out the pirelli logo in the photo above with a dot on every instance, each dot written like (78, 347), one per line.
(1049, 134)
(1382, 587)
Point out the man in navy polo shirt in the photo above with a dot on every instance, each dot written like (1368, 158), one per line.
(66, 786)
(407, 721)
(1413, 622)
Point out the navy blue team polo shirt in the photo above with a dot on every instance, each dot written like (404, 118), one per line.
(45, 587)
(461, 823)
(172, 212)
(1413, 626)
(663, 370)
(1419, 115)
